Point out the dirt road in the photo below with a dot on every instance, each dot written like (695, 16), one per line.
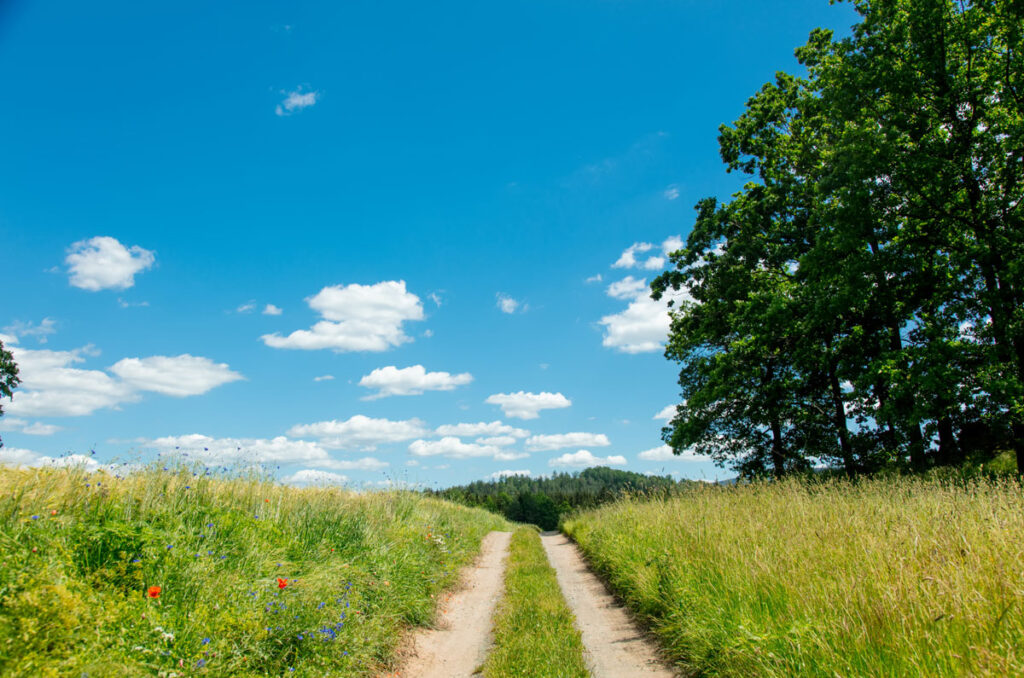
(615, 647)
(459, 645)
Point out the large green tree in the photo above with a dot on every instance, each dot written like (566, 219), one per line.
(862, 295)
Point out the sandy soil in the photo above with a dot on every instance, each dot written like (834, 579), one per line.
(459, 644)
(615, 646)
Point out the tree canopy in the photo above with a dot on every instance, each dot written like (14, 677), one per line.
(8, 377)
(860, 302)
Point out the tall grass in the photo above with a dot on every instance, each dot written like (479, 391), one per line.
(534, 631)
(879, 578)
(255, 578)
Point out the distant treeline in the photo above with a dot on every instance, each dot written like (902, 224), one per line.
(542, 501)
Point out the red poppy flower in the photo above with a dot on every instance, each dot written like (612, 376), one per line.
(153, 592)
(281, 583)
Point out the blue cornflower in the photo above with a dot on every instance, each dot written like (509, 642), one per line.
(201, 663)
(170, 546)
(35, 517)
(206, 641)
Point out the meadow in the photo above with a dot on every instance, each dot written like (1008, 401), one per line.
(904, 577)
(176, 571)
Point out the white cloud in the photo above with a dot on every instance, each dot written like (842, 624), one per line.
(270, 309)
(497, 441)
(436, 298)
(594, 279)
(247, 307)
(627, 288)
(360, 432)
(508, 473)
(671, 193)
(308, 476)
(179, 376)
(102, 263)
(451, 447)
(544, 443)
(666, 414)
(40, 331)
(50, 387)
(642, 327)
(671, 244)
(279, 450)
(13, 456)
(509, 305)
(296, 101)
(413, 380)
(34, 428)
(494, 428)
(522, 405)
(324, 377)
(654, 263)
(364, 464)
(628, 257)
(664, 453)
(584, 458)
(356, 318)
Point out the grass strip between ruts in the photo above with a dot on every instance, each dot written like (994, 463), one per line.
(534, 631)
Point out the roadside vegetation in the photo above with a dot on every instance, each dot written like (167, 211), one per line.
(177, 572)
(903, 577)
(534, 632)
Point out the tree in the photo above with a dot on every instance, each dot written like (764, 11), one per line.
(8, 377)
(862, 295)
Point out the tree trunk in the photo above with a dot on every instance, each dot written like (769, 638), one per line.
(839, 413)
(778, 456)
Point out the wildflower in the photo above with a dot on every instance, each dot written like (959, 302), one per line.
(209, 524)
(201, 663)
(281, 582)
(35, 517)
(206, 641)
(153, 591)
(53, 512)
(170, 546)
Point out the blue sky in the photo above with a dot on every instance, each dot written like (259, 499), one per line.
(377, 240)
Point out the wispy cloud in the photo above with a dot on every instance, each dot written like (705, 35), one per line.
(296, 101)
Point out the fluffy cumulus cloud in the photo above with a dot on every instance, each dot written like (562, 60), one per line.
(453, 448)
(390, 380)
(654, 262)
(584, 458)
(180, 376)
(498, 441)
(509, 305)
(522, 405)
(53, 386)
(628, 257)
(279, 450)
(270, 309)
(14, 456)
(666, 414)
(296, 101)
(644, 324)
(558, 441)
(360, 432)
(627, 288)
(103, 263)
(32, 428)
(356, 318)
(309, 476)
(664, 453)
(493, 428)
(498, 475)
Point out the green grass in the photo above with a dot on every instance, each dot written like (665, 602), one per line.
(897, 577)
(534, 633)
(79, 551)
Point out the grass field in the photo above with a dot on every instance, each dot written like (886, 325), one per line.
(534, 634)
(878, 578)
(174, 572)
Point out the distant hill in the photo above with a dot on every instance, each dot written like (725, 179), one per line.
(543, 500)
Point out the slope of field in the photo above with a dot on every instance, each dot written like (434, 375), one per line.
(175, 571)
(879, 578)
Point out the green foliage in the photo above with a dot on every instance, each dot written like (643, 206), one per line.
(877, 577)
(534, 631)
(80, 551)
(543, 501)
(863, 295)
